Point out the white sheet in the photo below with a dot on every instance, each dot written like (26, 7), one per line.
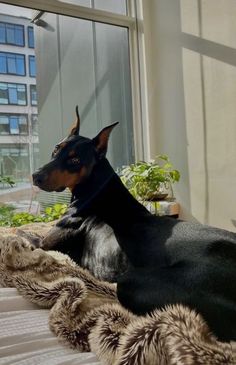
(25, 338)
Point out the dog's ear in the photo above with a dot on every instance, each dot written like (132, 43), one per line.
(75, 129)
(101, 140)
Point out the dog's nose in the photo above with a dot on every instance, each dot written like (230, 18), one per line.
(38, 178)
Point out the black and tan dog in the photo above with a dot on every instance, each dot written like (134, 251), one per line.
(169, 261)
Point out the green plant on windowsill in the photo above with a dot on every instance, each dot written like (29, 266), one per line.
(9, 218)
(7, 180)
(150, 181)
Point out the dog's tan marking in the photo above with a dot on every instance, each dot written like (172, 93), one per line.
(62, 178)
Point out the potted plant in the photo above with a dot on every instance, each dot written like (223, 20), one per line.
(150, 181)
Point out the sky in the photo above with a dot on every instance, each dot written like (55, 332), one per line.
(15, 10)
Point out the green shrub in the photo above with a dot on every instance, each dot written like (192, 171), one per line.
(7, 180)
(146, 180)
(8, 218)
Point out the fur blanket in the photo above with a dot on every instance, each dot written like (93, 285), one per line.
(86, 315)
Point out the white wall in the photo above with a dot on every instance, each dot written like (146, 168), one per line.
(191, 61)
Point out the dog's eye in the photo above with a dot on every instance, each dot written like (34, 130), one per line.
(75, 160)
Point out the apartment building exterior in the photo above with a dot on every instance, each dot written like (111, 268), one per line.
(18, 98)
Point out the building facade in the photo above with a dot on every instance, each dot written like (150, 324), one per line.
(18, 99)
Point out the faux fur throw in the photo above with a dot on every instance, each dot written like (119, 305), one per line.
(86, 316)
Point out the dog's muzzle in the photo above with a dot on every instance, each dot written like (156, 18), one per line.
(39, 178)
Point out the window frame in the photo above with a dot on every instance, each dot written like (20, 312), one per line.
(18, 115)
(15, 83)
(133, 22)
(10, 43)
(10, 73)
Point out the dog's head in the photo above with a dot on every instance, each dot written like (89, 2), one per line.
(73, 159)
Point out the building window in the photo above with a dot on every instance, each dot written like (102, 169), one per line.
(30, 37)
(15, 161)
(12, 34)
(13, 124)
(33, 95)
(32, 66)
(34, 124)
(12, 63)
(12, 94)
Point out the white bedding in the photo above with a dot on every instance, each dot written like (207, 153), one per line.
(25, 338)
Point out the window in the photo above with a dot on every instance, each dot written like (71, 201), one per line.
(33, 95)
(32, 66)
(30, 37)
(13, 94)
(15, 161)
(34, 124)
(4, 125)
(12, 34)
(13, 124)
(12, 63)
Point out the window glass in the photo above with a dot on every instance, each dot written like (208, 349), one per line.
(19, 35)
(21, 95)
(2, 33)
(31, 37)
(14, 125)
(11, 63)
(80, 62)
(23, 125)
(32, 66)
(20, 65)
(114, 6)
(10, 34)
(14, 160)
(111, 5)
(4, 125)
(34, 124)
(3, 93)
(12, 93)
(3, 63)
(33, 94)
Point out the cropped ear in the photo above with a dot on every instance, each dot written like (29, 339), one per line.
(75, 130)
(101, 140)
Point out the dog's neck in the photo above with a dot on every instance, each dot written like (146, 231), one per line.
(103, 195)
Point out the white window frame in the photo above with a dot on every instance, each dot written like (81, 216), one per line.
(132, 21)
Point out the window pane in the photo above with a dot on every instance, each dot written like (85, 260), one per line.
(31, 37)
(2, 33)
(12, 94)
(14, 125)
(32, 66)
(98, 77)
(10, 34)
(19, 35)
(21, 94)
(11, 64)
(3, 63)
(20, 65)
(34, 125)
(114, 6)
(4, 125)
(3, 93)
(33, 95)
(23, 125)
